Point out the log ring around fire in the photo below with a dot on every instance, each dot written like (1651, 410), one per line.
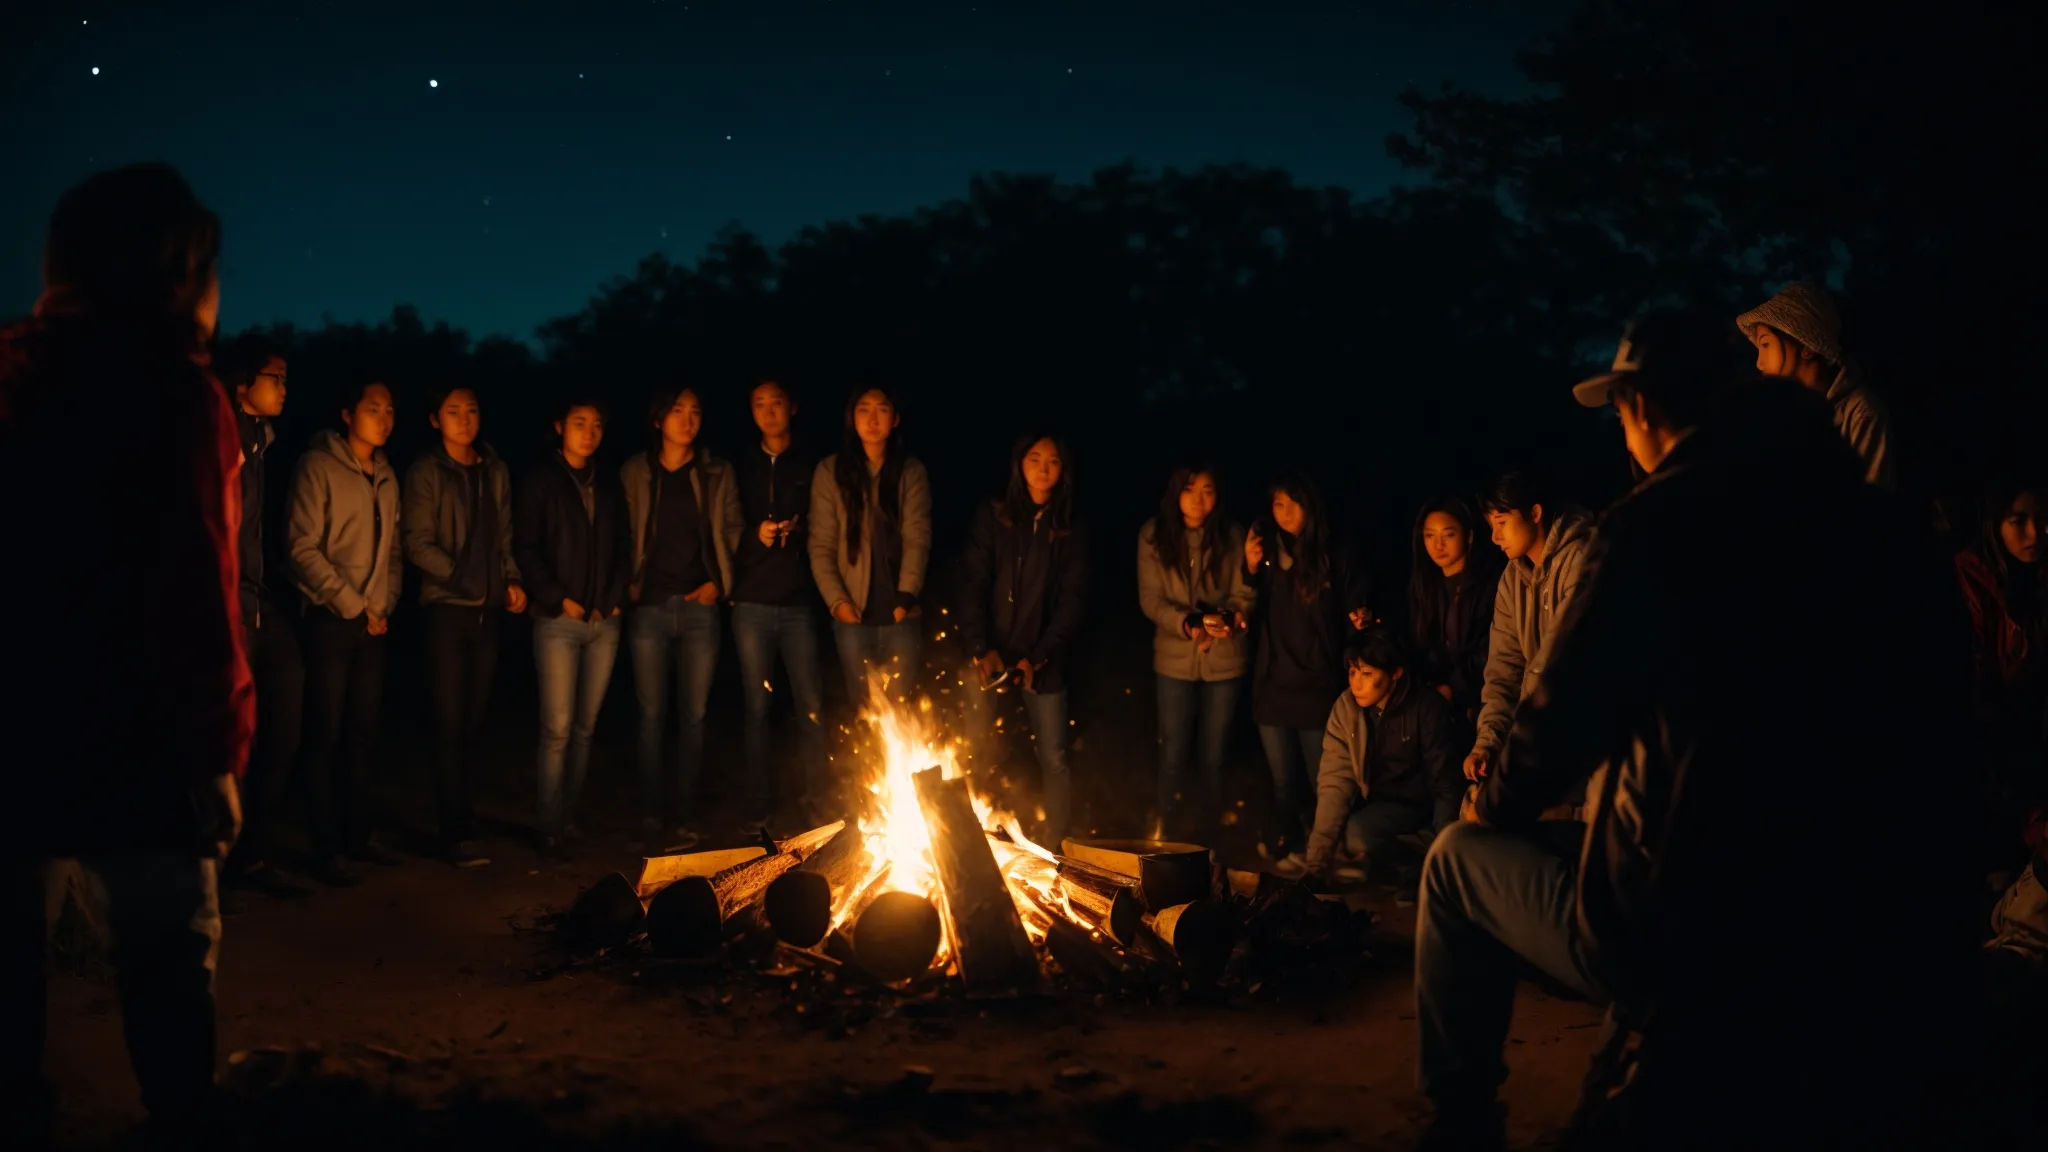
(897, 936)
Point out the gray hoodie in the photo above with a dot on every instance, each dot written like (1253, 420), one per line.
(435, 527)
(1865, 422)
(341, 537)
(1527, 606)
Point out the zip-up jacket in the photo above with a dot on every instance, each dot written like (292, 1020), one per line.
(718, 498)
(436, 530)
(1023, 595)
(342, 535)
(1403, 755)
(567, 549)
(1528, 605)
(776, 488)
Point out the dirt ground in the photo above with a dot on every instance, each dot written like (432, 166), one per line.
(409, 1010)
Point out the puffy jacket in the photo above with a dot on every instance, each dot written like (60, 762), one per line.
(718, 499)
(1169, 598)
(1000, 583)
(1528, 603)
(341, 537)
(1405, 755)
(435, 528)
(843, 578)
(565, 552)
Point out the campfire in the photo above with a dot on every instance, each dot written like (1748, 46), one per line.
(930, 878)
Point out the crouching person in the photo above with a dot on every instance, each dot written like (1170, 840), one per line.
(1387, 770)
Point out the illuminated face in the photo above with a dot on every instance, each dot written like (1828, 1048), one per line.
(373, 417)
(1198, 499)
(2020, 531)
(1636, 434)
(1446, 542)
(1288, 515)
(458, 420)
(264, 395)
(1370, 686)
(772, 410)
(874, 418)
(1042, 467)
(683, 420)
(1514, 532)
(581, 432)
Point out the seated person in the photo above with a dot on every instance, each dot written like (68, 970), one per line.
(1387, 769)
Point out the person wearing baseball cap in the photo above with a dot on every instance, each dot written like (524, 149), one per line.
(1798, 335)
(1758, 673)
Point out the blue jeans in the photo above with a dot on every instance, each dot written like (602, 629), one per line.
(1374, 826)
(1194, 720)
(760, 631)
(690, 630)
(575, 660)
(1293, 755)
(1047, 714)
(892, 648)
(1491, 900)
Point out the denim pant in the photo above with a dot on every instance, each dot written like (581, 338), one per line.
(892, 648)
(1293, 755)
(1374, 828)
(690, 630)
(574, 659)
(760, 631)
(1194, 722)
(1047, 713)
(462, 660)
(280, 677)
(163, 914)
(1491, 900)
(344, 702)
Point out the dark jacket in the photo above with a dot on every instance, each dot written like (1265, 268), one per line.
(436, 528)
(774, 488)
(256, 435)
(1298, 648)
(566, 552)
(129, 679)
(1466, 615)
(1405, 755)
(1009, 578)
(1756, 721)
(2005, 662)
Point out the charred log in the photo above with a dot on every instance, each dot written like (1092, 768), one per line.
(799, 904)
(1201, 934)
(897, 937)
(988, 938)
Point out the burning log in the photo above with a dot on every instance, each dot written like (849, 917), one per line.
(604, 915)
(689, 916)
(1081, 956)
(1168, 873)
(799, 903)
(1200, 933)
(897, 936)
(1106, 904)
(658, 872)
(988, 938)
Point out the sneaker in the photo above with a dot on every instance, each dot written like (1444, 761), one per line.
(376, 852)
(1292, 865)
(681, 840)
(270, 881)
(1349, 873)
(337, 872)
(467, 854)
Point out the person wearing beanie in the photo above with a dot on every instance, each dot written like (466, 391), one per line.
(1798, 334)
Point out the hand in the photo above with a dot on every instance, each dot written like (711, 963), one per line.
(218, 800)
(706, 593)
(1361, 619)
(379, 625)
(770, 533)
(1475, 766)
(845, 612)
(572, 609)
(515, 599)
(902, 614)
(1254, 551)
(1217, 626)
(989, 665)
(1029, 670)
(1468, 808)
(1444, 690)
(616, 613)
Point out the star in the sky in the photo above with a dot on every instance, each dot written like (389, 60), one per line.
(433, 83)
(95, 71)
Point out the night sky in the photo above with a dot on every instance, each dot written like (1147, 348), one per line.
(493, 163)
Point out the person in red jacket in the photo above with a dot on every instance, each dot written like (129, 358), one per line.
(134, 688)
(2004, 578)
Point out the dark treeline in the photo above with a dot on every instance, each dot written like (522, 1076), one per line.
(1399, 346)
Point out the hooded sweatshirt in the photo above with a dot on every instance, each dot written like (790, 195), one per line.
(461, 562)
(1528, 604)
(342, 536)
(1399, 752)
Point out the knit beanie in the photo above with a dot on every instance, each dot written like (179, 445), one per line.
(1806, 313)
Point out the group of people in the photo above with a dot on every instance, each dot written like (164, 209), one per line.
(1691, 759)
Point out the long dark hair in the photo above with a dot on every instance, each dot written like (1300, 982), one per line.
(658, 404)
(2021, 586)
(1428, 590)
(1311, 551)
(135, 245)
(850, 469)
(1059, 510)
(1169, 534)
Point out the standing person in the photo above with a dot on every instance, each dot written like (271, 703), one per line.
(1798, 335)
(1545, 542)
(1191, 584)
(1023, 593)
(2005, 586)
(1451, 590)
(341, 538)
(772, 598)
(1311, 594)
(574, 552)
(255, 375)
(871, 538)
(1723, 703)
(152, 700)
(685, 510)
(457, 530)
